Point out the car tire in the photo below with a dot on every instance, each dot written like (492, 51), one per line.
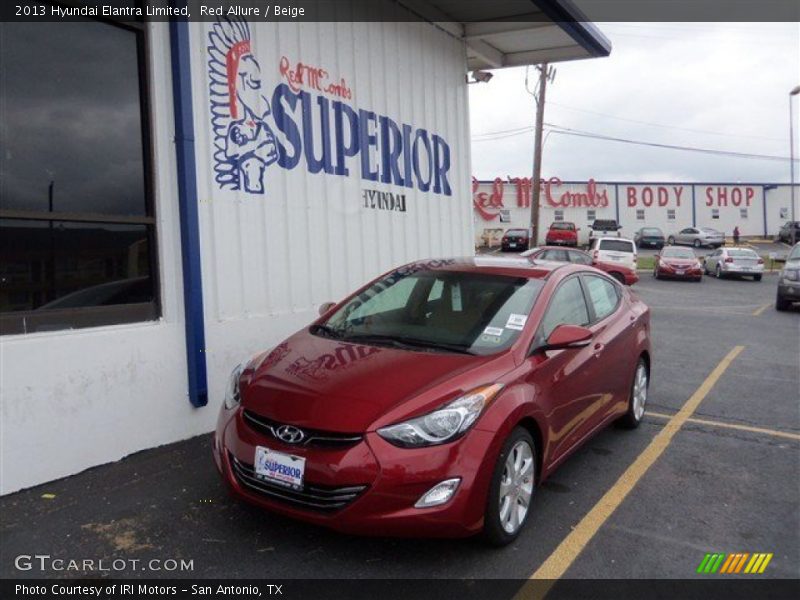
(671, 241)
(496, 521)
(619, 277)
(718, 272)
(655, 273)
(756, 277)
(781, 304)
(698, 279)
(637, 402)
(697, 243)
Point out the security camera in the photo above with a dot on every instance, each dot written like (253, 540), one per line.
(481, 76)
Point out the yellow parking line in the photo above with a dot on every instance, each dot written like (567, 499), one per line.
(761, 309)
(764, 430)
(567, 551)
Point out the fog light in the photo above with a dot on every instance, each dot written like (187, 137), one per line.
(439, 494)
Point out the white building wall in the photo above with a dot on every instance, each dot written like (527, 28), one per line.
(669, 206)
(76, 399)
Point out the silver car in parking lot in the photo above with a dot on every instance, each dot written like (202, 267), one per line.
(734, 261)
(697, 237)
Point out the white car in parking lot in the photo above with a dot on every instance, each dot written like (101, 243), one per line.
(614, 250)
(734, 261)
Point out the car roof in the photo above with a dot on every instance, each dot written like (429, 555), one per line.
(612, 237)
(495, 265)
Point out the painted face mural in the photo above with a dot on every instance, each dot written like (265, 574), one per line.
(244, 144)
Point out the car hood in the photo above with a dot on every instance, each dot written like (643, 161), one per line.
(328, 384)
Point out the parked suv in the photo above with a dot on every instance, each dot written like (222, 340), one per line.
(614, 250)
(603, 228)
(789, 229)
(514, 239)
(562, 233)
(789, 281)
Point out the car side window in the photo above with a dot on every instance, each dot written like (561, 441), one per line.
(568, 306)
(603, 296)
(556, 255)
(579, 258)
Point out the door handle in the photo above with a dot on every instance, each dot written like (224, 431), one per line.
(598, 349)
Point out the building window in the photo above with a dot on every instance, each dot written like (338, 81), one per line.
(743, 213)
(505, 215)
(715, 213)
(591, 215)
(640, 214)
(670, 214)
(558, 215)
(77, 228)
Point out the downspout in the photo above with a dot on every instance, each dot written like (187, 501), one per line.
(187, 202)
(694, 209)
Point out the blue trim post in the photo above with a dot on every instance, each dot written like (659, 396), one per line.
(189, 219)
(764, 207)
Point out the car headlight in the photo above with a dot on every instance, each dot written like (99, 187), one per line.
(791, 275)
(233, 397)
(442, 425)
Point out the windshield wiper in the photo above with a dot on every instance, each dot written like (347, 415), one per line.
(326, 331)
(406, 343)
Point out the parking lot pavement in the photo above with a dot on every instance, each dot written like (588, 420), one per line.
(724, 481)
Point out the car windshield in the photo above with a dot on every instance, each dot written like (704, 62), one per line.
(436, 310)
(651, 231)
(677, 253)
(742, 253)
(563, 226)
(616, 245)
(516, 233)
(795, 253)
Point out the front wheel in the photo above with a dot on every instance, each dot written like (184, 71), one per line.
(512, 488)
(638, 397)
(671, 241)
(757, 277)
(697, 243)
(781, 304)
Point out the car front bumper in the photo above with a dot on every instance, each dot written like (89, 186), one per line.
(789, 291)
(393, 480)
(694, 273)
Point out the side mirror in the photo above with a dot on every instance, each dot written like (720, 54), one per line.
(325, 307)
(566, 337)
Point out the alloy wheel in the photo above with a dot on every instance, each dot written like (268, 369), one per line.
(516, 487)
(639, 391)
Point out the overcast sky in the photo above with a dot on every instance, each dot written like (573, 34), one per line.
(707, 85)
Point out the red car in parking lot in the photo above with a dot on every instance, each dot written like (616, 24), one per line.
(562, 233)
(677, 263)
(433, 400)
(619, 272)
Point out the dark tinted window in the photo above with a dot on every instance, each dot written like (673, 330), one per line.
(76, 225)
(555, 255)
(616, 245)
(566, 307)
(516, 233)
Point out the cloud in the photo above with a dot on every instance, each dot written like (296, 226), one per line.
(708, 85)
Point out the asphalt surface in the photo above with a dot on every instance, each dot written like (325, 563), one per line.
(714, 489)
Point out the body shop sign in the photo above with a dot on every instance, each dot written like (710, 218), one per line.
(308, 121)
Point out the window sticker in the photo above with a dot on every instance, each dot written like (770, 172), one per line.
(455, 296)
(516, 321)
(493, 331)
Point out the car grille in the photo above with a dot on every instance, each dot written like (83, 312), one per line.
(314, 497)
(313, 437)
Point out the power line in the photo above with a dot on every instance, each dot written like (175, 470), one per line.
(498, 135)
(712, 151)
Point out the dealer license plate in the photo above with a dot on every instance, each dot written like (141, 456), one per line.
(283, 469)
(680, 271)
(512, 245)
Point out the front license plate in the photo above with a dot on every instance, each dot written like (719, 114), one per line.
(680, 272)
(283, 469)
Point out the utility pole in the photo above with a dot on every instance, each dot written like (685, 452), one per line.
(545, 74)
(794, 92)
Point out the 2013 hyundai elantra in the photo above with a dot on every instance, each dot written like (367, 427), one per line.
(433, 400)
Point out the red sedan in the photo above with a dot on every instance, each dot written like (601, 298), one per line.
(677, 263)
(433, 400)
(619, 272)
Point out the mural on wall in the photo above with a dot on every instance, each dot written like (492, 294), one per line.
(244, 145)
(309, 123)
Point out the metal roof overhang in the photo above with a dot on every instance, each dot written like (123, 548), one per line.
(513, 33)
